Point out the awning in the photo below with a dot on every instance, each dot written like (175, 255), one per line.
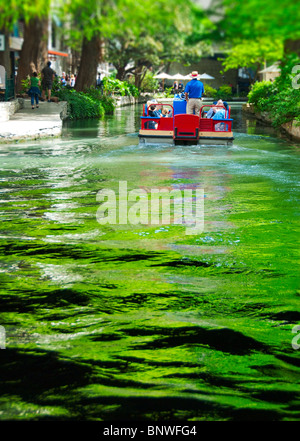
(274, 68)
(60, 54)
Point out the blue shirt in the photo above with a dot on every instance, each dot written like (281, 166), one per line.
(194, 88)
(220, 114)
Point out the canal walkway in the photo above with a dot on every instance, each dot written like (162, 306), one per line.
(28, 123)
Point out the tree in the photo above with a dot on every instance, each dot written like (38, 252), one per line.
(34, 13)
(137, 33)
(255, 19)
(253, 56)
(4, 55)
(34, 51)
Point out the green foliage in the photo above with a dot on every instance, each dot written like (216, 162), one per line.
(210, 92)
(25, 85)
(57, 86)
(253, 19)
(246, 54)
(224, 93)
(113, 86)
(11, 11)
(106, 101)
(82, 105)
(168, 92)
(260, 94)
(149, 83)
(280, 99)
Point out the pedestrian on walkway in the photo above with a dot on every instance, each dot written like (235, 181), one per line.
(34, 91)
(48, 75)
(72, 81)
(193, 93)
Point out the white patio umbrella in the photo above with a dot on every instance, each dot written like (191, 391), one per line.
(179, 76)
(206, 77)
(162, 76)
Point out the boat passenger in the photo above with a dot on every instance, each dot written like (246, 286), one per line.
(213, 110)
(154, 113)
(220, 114)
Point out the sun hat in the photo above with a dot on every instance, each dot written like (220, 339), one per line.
(151, 103)
(194, 73)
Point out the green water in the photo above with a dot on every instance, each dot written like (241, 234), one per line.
(145, 322)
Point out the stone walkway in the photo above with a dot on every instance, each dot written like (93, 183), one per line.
(28, 123)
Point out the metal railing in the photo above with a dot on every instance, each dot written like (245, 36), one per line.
(9, 92)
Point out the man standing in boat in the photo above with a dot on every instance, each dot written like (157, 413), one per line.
(193, 93)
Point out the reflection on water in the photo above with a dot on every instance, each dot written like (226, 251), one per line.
(143, 322)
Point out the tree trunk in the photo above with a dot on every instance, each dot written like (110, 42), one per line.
(34, 51)
(139, 75)
(90, 55)
(121, 73)
(5, 55)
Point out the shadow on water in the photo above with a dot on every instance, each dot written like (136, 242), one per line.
(42, 379)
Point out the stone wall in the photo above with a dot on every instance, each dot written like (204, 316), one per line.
(291, 128)
(8, 108)
(125, 101)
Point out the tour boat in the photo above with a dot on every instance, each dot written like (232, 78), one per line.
(178, 127)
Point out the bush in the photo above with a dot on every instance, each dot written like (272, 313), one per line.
(279, 98)
(149, 84)
(210, 92)
(224, 93)
(168, 92)
(81, 105)
(114, 86)
(260, 94)
(106, 101)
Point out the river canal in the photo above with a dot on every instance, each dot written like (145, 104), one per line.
(141, 321)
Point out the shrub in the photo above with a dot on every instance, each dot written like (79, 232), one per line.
(108, 104)
(284, 106)
(224, 93)
(114, 86)
(106, 101)
(260, 94)
(279, 98)
(149, 83)
(81, 105)
(210, 92)
(168, 92)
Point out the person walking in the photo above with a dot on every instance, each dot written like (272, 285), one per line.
(48, 75)
(34, 91)
(72, 81)
(193, 93)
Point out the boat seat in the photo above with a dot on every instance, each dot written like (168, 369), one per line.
(186, 127)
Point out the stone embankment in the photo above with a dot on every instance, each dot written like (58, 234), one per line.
(291, 128)
(18, 121)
